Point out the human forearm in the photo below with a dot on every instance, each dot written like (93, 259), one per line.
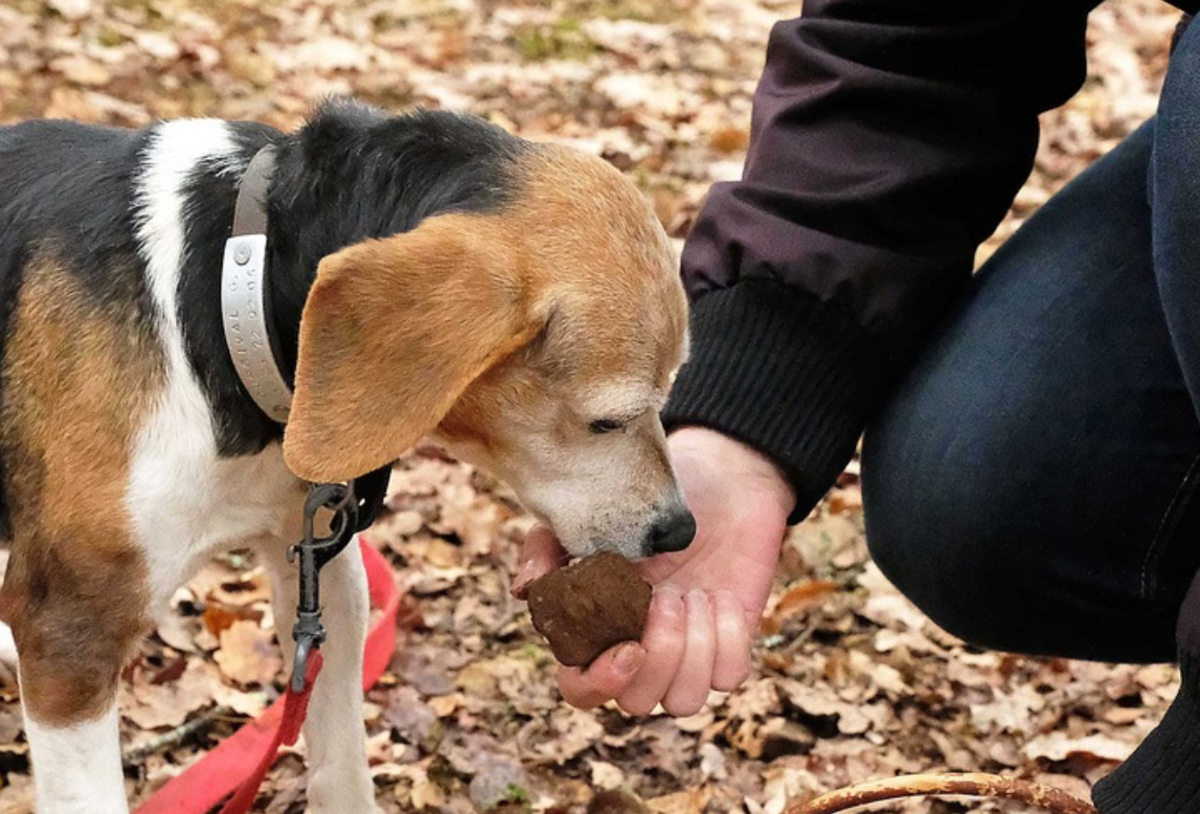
(889, 136)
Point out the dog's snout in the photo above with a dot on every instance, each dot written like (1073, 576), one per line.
(673, 532)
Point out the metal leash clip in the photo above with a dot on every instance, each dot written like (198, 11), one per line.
(313, 553)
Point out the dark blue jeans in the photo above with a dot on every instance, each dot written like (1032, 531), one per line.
(1034, 484)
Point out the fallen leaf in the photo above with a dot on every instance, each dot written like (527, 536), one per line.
(248, 654)
(169, 704)
(1057, 746)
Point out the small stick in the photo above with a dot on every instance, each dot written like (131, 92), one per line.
(973, 784)
(136, 754)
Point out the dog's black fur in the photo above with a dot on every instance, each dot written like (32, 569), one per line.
(351, 172)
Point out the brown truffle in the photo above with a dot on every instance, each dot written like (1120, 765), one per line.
(589, 606)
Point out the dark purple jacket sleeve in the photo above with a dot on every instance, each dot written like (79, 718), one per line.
(888, 139)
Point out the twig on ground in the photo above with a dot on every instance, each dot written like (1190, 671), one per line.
(136, 754)
(973, 784)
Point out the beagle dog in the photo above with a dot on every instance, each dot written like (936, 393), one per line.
(426, 275)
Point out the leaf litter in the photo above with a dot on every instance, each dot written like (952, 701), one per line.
(851, 682)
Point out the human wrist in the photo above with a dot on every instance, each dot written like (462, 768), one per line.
(745, 464)
(782, 372)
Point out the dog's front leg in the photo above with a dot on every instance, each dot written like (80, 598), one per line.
(73, 621)
(338, 780)
(77, 767)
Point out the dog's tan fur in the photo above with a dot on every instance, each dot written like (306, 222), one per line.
(537, 340)
(504, 319)
(400, 326)
(476, 288)
(460, 327)
(78, 378)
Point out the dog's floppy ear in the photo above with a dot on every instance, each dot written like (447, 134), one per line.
(393, 332)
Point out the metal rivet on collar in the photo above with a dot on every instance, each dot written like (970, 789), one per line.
(243, 303)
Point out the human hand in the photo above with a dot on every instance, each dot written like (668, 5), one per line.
(708, 598)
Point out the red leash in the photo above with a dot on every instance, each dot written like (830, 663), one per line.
(238, 764)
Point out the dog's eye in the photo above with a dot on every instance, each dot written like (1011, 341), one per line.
(605, 425)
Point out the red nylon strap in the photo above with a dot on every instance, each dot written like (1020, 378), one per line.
(295, 707)
(238, 764)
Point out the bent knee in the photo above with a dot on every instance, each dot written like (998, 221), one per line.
(992, 555)
(944, 524)
(948, 576)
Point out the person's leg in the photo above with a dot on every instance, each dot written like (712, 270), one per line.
(1163, 775)
(1031, 483)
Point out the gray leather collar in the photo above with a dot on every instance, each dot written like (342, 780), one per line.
(243, 291)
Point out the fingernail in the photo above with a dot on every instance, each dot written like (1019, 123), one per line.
(525, 573)
(670, 603)
(523, 578)
(627, 659)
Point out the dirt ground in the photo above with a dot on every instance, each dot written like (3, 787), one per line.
(851, 681)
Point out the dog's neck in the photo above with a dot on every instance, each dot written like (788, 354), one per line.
(353, 173)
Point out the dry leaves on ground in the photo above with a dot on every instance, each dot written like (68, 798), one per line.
(851, 681)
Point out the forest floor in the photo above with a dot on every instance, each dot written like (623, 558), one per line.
(851, 682)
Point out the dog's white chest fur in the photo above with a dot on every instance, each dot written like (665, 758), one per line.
(184, 500)
(186, 503)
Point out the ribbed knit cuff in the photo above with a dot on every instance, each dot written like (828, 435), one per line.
(1163, 775)
(784, 373)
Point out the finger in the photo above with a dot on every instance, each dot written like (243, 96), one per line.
(606, 678)
(732, 665)
(664, 641)
(689, 690)
(541, 553)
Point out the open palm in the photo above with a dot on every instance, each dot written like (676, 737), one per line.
(707, 598)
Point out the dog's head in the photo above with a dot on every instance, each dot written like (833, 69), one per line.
(537, 341)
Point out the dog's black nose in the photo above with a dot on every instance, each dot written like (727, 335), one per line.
(673, 532)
